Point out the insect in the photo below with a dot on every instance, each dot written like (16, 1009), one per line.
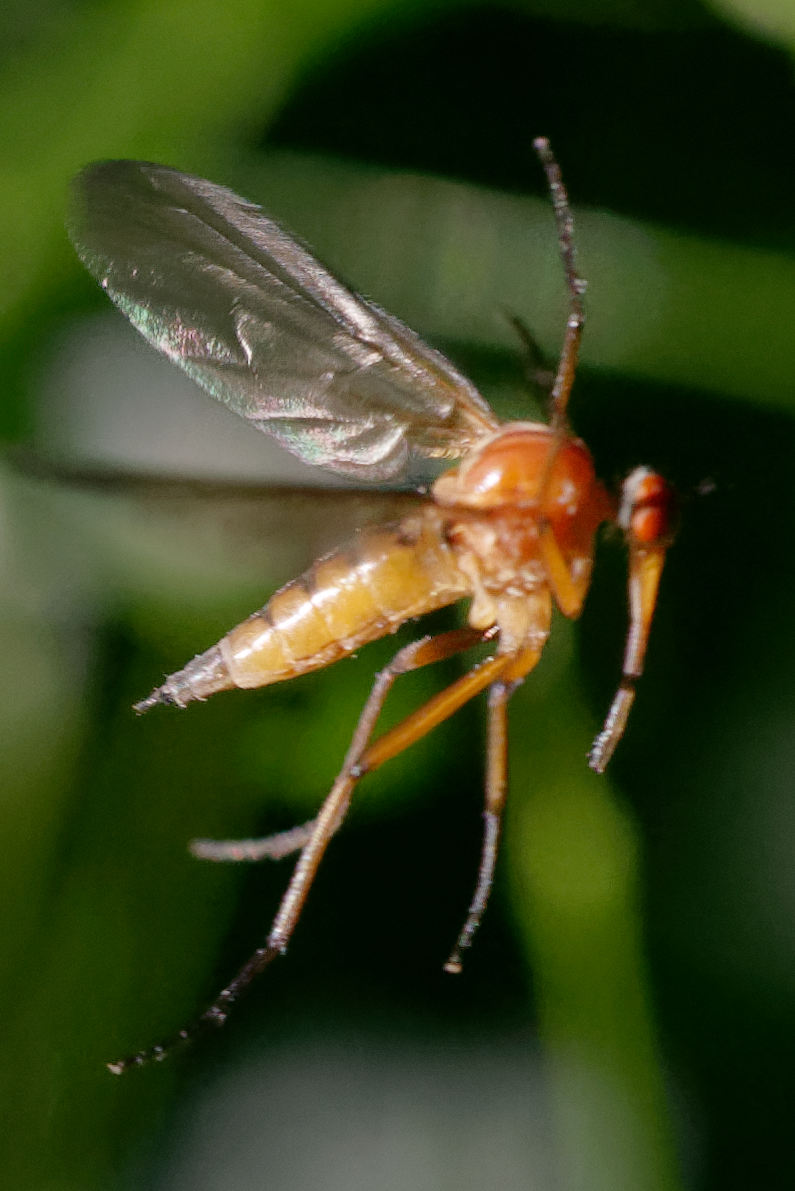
(246, 311)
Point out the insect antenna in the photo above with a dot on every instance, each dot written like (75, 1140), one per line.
(537, 371)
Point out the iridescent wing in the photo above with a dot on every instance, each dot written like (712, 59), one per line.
(224, 292)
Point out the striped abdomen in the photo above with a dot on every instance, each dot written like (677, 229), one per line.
(364, 591)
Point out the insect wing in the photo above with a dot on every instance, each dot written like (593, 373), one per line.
(237, 532)
(224, 292)
(302, 521)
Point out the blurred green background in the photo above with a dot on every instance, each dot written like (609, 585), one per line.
(625, 1019)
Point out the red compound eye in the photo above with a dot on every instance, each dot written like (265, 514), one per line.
(647, 507)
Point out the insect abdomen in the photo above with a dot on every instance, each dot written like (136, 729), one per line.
(383, 578)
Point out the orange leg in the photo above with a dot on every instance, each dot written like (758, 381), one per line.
(496, 785)
(413, 657)
(645, 570)
(519, 666)
(362, 759)
(359, 760)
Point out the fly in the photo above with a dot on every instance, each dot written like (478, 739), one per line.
(246, 311)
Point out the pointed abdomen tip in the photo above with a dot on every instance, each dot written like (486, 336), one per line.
(158, 695)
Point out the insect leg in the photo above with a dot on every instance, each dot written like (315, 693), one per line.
(519, 664)
(567, 365)
(271, 847)
(647, 516)
(645, 570)
(361, 759)
(283, 843)
(357, 763)
(496, 784)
